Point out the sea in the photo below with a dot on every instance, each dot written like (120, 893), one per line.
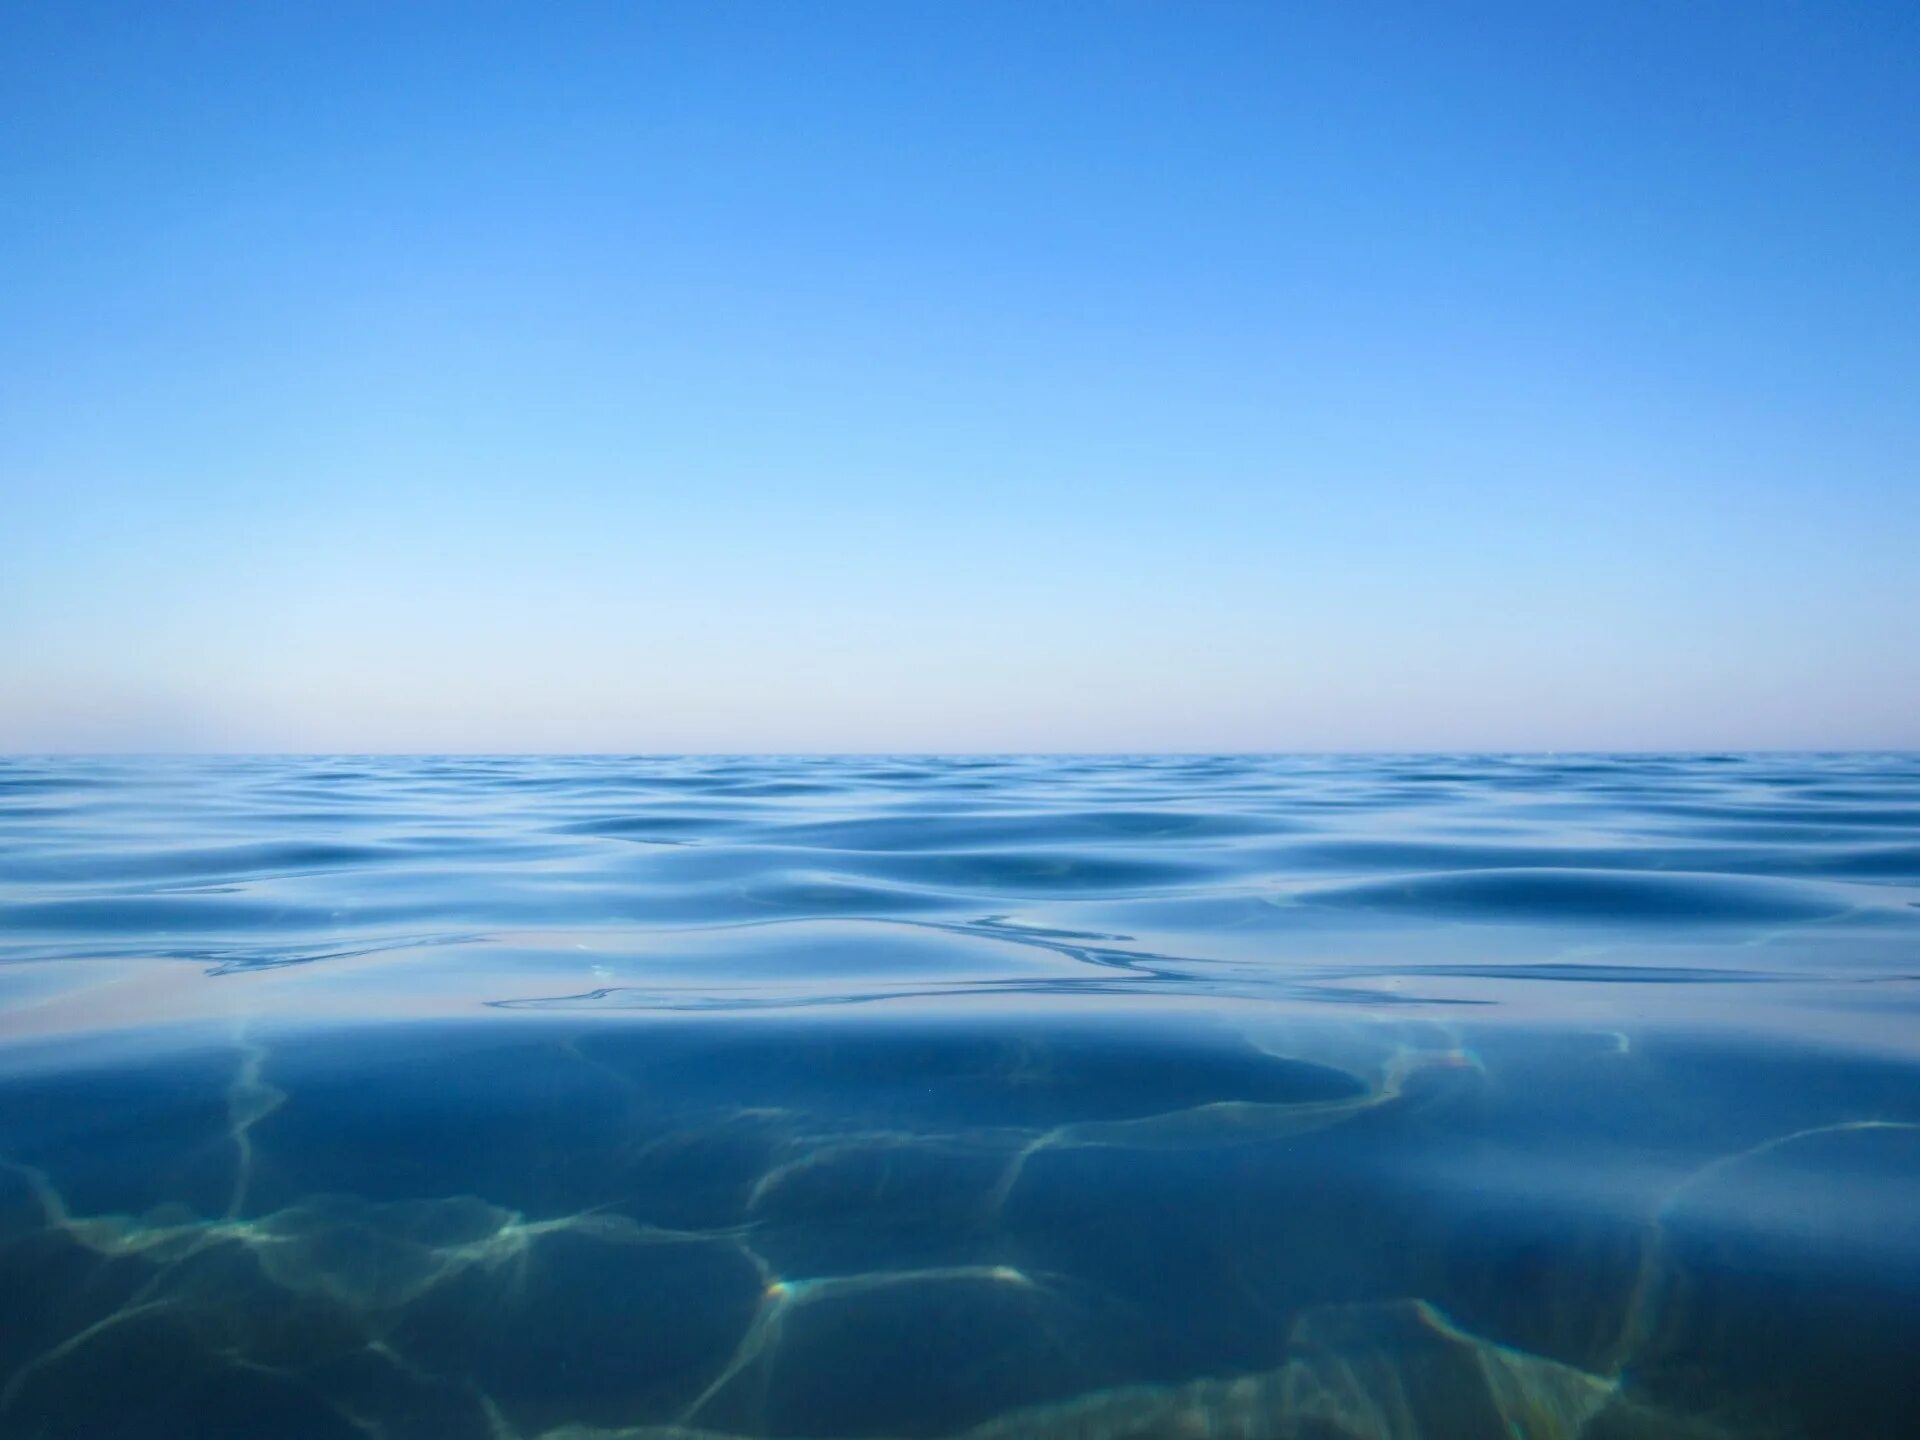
(1071, 1097)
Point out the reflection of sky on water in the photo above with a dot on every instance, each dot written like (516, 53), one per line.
(1142, 1130)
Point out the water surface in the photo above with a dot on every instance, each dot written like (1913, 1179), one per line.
(573, 1099)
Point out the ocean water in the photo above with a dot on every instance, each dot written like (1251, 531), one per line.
(1343, 1098)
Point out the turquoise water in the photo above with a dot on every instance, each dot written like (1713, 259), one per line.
(1260, 1097)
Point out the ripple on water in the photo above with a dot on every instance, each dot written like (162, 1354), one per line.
(1589, 897)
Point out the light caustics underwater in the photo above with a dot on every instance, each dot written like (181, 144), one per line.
(1358, 1098)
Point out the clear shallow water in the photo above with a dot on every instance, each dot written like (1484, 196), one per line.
(1048, 1097)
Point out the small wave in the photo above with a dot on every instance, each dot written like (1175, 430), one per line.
(647, 825)
(225, 862)
(158, 916)
(1061, 872)
(1618, 897)
(990, 830)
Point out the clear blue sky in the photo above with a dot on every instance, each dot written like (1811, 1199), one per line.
(917, 376)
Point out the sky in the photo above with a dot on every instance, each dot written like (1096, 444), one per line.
(959, 376)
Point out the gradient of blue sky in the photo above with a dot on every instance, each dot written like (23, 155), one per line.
(918, 376)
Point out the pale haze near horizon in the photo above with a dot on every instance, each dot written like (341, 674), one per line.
(955, 378)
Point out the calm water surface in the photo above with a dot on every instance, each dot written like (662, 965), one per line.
(573, 1099)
